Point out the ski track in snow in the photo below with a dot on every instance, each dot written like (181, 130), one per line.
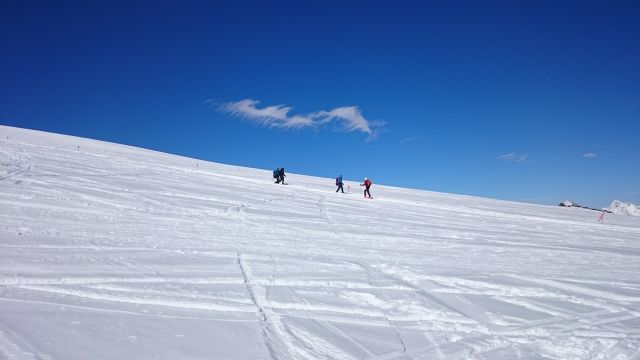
(114, 252)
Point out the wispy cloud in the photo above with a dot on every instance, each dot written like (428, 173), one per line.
(409, 139)
(589, 155)
(345, 118)
(513, 157)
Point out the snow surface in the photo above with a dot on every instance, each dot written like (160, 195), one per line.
(619, 207)
(115, 252)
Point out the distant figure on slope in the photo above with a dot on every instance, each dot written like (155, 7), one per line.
(367, 185)
(339, 184)
(279, 175)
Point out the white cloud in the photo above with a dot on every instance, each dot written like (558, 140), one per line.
(272, 116)
(350, 116)
(589, 155)
(347, 118)
(409, 139)
(513, 157)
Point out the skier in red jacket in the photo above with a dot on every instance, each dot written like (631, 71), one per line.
(367, 185)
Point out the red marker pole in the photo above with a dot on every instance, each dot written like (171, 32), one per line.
(601, 219)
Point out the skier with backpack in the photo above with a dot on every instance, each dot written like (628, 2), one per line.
(367, 185)
(279, 175)
(339, 184)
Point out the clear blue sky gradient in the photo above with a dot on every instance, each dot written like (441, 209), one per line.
(459, 83)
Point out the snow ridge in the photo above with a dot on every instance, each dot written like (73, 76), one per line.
(619, 207)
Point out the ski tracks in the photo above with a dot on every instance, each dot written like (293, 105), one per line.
(277, 335)
(9, 349)
(239, 210)
(13, 163)
(293, 340)
(490, 331)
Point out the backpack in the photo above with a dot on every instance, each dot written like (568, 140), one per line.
(339, 180)
(276, 173)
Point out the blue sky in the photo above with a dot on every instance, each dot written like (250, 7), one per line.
(535, 101)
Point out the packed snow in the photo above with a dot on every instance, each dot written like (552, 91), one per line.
(114, 252)
(623, 208)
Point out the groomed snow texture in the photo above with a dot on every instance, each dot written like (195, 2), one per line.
(115, 252)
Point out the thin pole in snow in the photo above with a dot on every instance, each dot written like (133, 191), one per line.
(601, 219)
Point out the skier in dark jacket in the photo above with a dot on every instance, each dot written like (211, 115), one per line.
(276, 175)
(281, 176)
(339, 184)
(367, 185)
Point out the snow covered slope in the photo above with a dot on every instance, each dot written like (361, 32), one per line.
(619, 207)
(114, 252)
